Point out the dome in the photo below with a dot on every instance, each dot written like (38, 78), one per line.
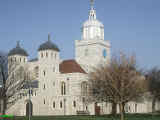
(48, 46)
(94, 22)
(18, 51)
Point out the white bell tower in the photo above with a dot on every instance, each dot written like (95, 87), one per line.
(92, 49)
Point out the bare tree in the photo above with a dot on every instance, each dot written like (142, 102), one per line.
(119, 82)
(153, 77)
(14, 80)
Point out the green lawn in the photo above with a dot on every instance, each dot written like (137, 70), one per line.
(107, 117)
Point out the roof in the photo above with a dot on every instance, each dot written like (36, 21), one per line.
(48, 46)
(17, 51)
(70, 66)
(34, 60)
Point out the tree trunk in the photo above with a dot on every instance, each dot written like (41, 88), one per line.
(153, 104)
(4, 106)
(114, 108)
(122, 111)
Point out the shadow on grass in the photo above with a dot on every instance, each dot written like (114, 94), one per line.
(102, 117)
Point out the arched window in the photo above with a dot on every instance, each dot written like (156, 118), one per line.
(36, 71)
(63, 88)
(86, 52)
(54, 69)
(52, 54)
(104, 53)
(55, 55)
(44, 101)
(74, 103)
(135, 108)
(44, 72)
(54, 83)
(20, 59)
(41, 55)
(54, 105)
(44, 87)
(84, 88)
(61, 104)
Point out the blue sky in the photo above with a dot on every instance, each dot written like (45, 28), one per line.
(132, 26)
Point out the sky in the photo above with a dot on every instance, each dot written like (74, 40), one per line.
(132, 26)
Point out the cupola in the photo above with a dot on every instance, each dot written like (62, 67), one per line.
(48, 45)
(18, 50)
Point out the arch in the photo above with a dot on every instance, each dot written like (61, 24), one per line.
(29, 108)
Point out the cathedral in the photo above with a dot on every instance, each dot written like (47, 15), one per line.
(62, 84)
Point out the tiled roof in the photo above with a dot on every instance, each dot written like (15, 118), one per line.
(70, 66)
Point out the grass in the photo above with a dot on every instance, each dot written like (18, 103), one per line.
(105, 117)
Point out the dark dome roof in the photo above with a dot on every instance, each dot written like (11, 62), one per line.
(48, 46)
(17, 51)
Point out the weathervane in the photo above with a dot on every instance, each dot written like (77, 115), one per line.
(92, 3)
(18, 43)
(49, 37)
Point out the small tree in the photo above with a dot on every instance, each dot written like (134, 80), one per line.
(153, 77)
(13, 82)
(119, 82)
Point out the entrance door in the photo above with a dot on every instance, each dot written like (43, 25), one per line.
(97, 109)
(29, 108)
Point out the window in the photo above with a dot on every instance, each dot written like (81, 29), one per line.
(54, 105)
(135, 108)
(63, 88)
(44, 101)
(61, 104)
(52, 54)
(84, 88)
(41, 55)
(24, 60)
(55, 56)
(53, 83)
(20, 60)
(104, 53)
(36, 71)
(44, 72)
(54, 69)
(44, 87)
(74, 103)
(11, 60)
(35, 93)
(46, 54)
(15, 59)
(86, 52)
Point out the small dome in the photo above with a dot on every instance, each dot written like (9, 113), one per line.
(94, 22)
(17, 51)
(48, 46)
